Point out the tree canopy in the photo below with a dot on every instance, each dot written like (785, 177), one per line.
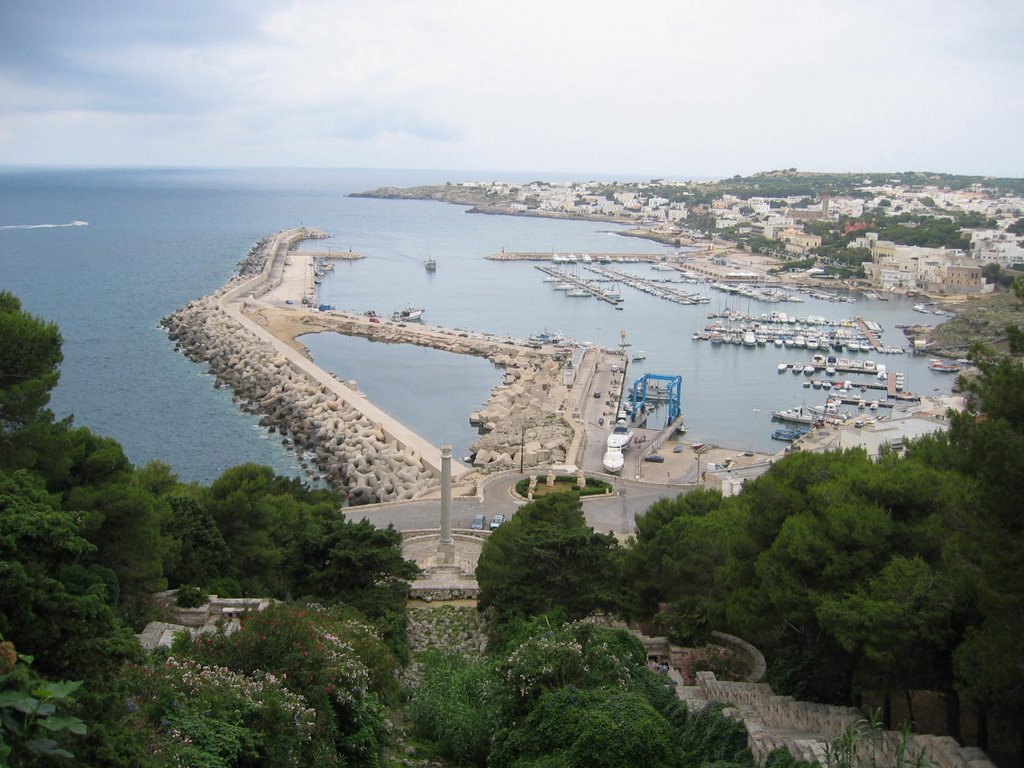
(546, 557)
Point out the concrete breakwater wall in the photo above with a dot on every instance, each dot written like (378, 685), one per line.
(351, 451)
(525, 416)
(344, 433)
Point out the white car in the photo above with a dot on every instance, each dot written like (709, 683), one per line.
(496, 521)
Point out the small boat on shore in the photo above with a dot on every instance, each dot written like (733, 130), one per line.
(613, 461)
(788, 435)
(409, 314)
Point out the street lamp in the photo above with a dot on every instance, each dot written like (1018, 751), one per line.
(522, 447)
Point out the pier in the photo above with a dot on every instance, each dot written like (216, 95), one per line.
(333, 254)
(232, 303)
(651, 287)
(579, 282)
(572, 259)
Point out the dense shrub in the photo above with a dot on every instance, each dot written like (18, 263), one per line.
(212, 716)
(456, 706)
(597, 728)
(337, 663)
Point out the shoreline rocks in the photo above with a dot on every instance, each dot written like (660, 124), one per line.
(526, 409)
(523, 420)
(349, 451)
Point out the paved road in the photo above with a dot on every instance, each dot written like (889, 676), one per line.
(615, 513)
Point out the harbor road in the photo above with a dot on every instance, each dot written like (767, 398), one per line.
(615, 513)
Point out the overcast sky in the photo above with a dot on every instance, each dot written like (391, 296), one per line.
(673, 88)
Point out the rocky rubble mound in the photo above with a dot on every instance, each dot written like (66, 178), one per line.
(531, 397)
(350, 451)
(523, 420)
(448, 627)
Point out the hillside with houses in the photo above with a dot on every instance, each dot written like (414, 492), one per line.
(938, 234)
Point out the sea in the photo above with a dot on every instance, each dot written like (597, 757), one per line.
(106, 253)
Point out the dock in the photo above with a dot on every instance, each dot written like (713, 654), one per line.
(336, 255)
(559, 258)
(649, 286)
(578, 282)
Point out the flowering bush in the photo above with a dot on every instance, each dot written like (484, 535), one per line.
(321, 654)
(576, 654)
(212, 716)
(543, 663)
(711, 658)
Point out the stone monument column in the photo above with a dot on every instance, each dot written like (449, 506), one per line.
(446, 546)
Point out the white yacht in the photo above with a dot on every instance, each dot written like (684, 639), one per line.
(620, 438)
(613, 460)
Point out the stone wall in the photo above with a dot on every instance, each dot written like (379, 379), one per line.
(350, 451)
(806, 728)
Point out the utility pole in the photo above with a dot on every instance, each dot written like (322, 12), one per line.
(522, 447)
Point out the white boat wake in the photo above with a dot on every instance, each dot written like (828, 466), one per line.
(75, 223)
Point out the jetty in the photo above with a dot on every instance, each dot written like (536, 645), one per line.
(652, 287)
(569, 258)
(358, 447)
(580, 283)
(247, 332)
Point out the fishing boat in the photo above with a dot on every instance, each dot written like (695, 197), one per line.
(410, 314)
(788, 435)
(944, 366)
(640, 356)
(430, 264)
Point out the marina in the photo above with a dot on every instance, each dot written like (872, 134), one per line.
(576, 286)
(723, 384)
(813, 330)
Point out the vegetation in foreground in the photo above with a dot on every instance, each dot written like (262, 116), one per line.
(856, 577)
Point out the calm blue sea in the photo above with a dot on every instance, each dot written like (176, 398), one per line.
(157, 238)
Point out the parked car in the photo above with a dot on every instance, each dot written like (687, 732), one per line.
(478, 523)
(496, 521)
(657, 458)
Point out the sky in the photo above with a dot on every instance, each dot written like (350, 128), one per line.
(644, 89)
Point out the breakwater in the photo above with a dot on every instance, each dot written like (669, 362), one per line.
(348, 441)
(248, 340)
(526, 418)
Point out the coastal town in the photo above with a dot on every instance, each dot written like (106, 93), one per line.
(816, 225)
